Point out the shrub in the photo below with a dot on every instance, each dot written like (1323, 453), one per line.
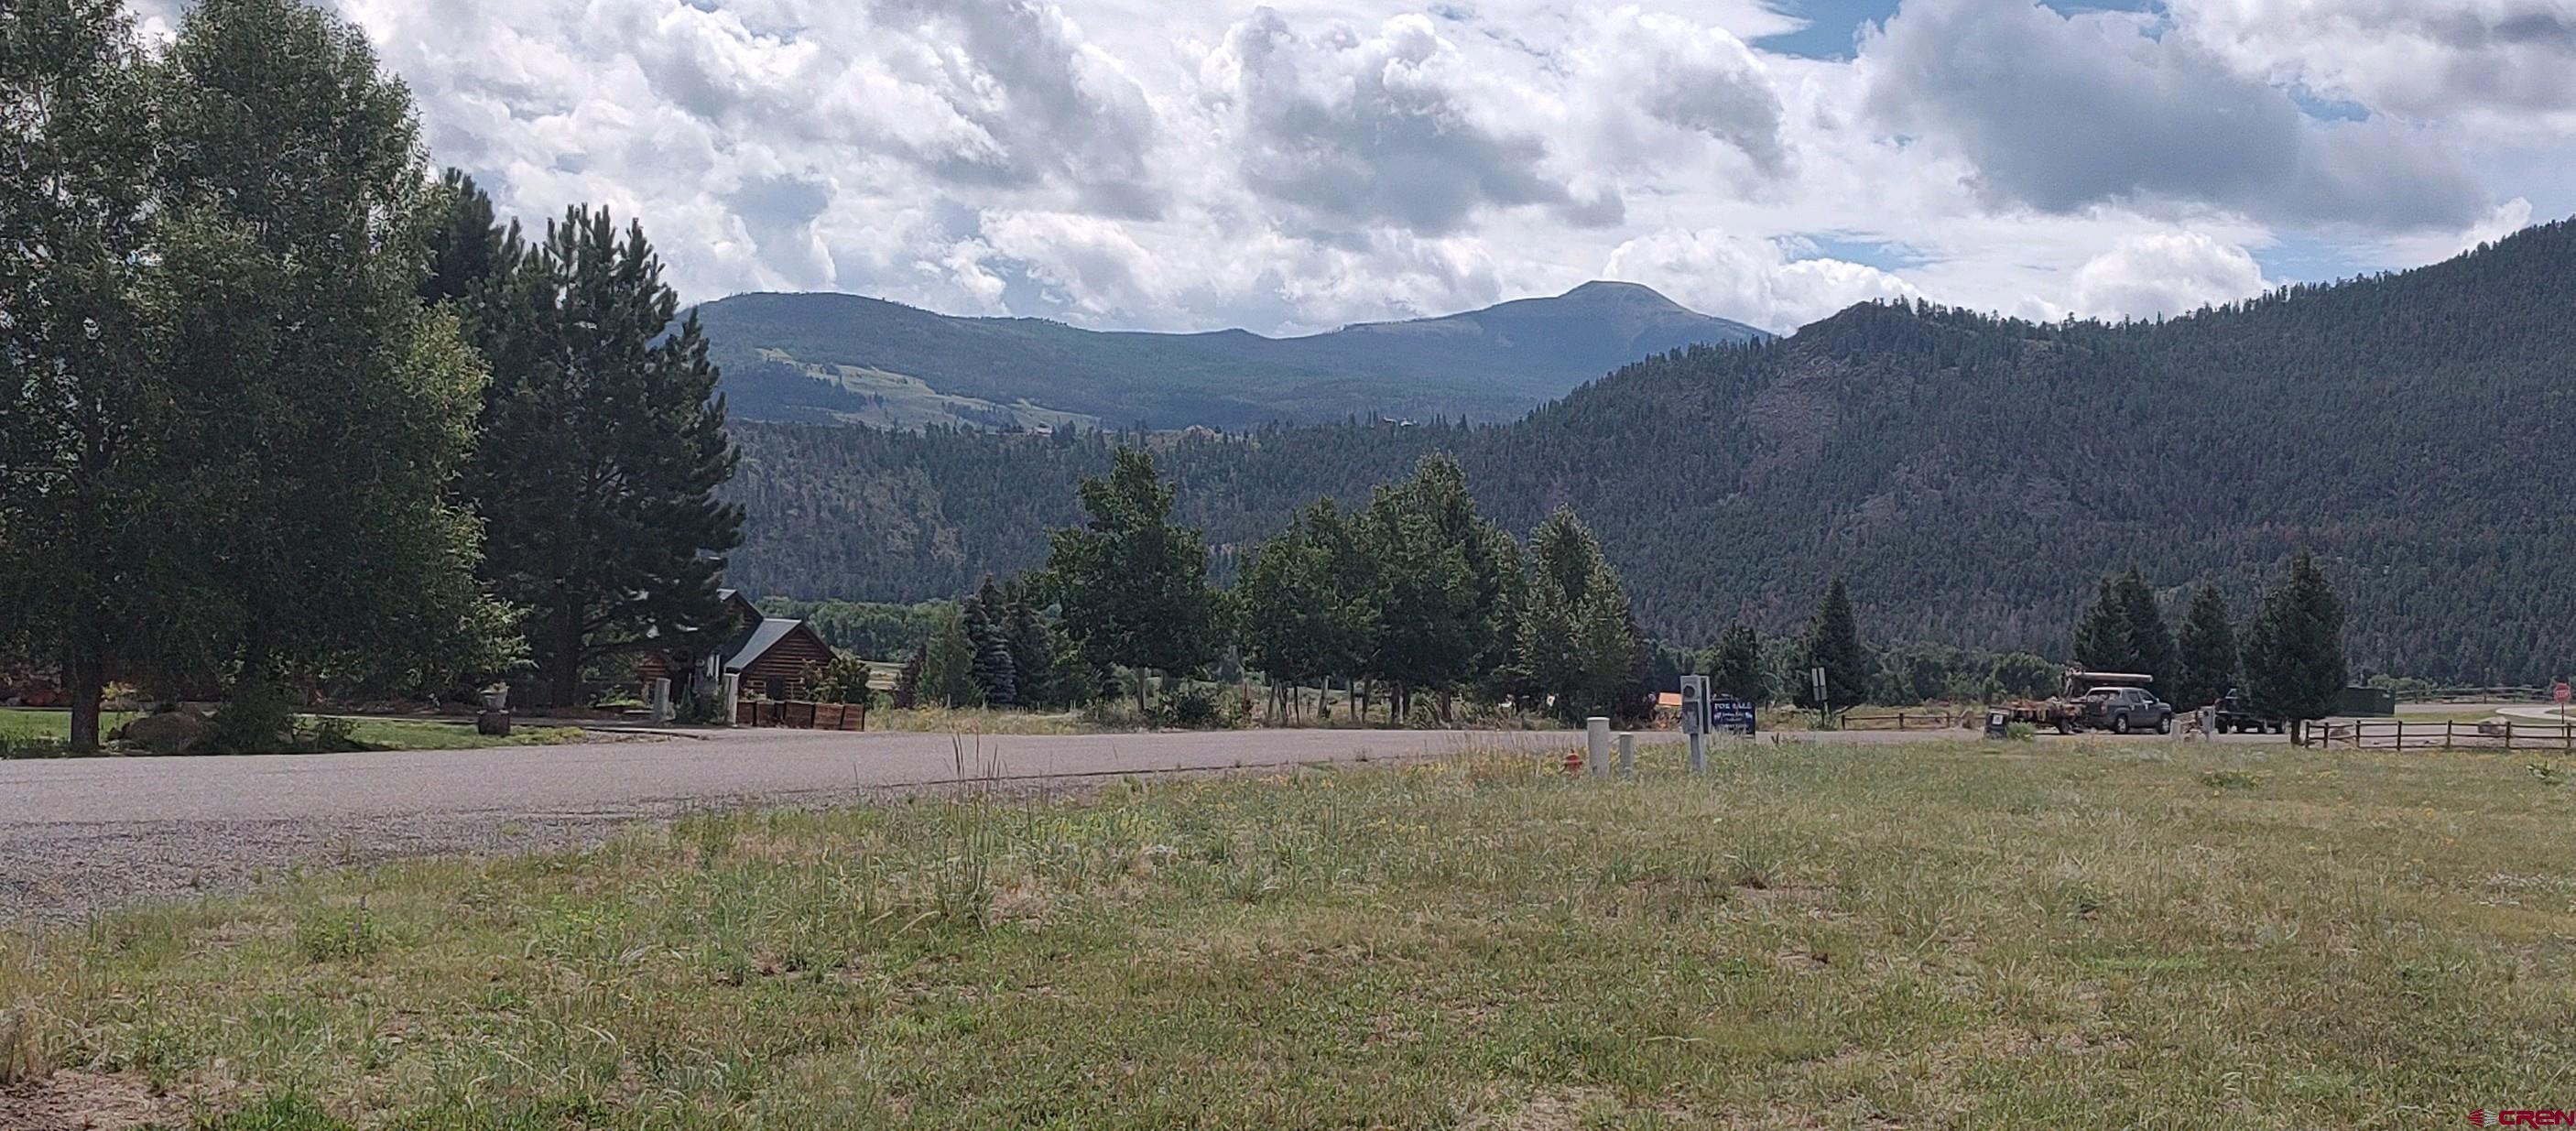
(1195, 708)
(843, 680)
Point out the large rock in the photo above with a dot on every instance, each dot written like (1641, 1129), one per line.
(171, 732)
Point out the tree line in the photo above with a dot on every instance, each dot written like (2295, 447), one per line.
(1419, 600)
(2288, 663)
(1415, 601)
(281, 409)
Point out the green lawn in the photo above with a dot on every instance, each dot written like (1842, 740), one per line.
(1953, 935)
(23, 725)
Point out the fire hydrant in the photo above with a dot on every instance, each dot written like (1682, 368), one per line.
(1573, 761)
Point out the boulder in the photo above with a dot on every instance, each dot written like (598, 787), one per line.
(170, 732)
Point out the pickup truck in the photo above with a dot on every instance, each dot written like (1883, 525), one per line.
(2234, 715)
(2121, 710)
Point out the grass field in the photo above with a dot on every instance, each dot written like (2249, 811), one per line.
(21, 725)
(2080, 934)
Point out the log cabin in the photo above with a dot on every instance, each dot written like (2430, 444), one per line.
(773, 655)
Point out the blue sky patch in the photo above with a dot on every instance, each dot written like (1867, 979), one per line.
(1833, 26)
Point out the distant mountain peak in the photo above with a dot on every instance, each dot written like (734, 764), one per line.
(1614, 289)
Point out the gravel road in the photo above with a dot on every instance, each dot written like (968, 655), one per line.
(84, 834)
(79, 834)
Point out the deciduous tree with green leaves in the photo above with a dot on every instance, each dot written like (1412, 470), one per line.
(326, 412)
(1446, 584)
(1132, 583)
(1579, 643)
(1299, 627)
(79, 565)
(948, 665)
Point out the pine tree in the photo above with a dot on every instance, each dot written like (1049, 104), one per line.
(1735, 665)
(1833, 643)
(996, 675)
(2293, 655)
(2150, 642)
(2102, 641)
(2206, 651)
(467, 244)
(1032, 647)
(948, 665)
(1132, 583)
(603, 447)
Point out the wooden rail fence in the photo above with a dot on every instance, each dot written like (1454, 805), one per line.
(2398, 734)
(1907, 720)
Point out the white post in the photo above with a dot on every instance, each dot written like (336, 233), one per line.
(660, 707)
(1698, 752)
(732, 695)
(1596, 742)
(1627, 754)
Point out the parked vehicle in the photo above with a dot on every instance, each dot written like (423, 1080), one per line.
(2234, 715)
(2114, 701)
(2122, 710)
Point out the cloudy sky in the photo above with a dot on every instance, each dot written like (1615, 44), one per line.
(1289, 167)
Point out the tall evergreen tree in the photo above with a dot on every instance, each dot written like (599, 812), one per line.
(2150, 642)
(2102, 640)
(603, 448)
(2206, 651)
(1833, 643)
(1133, 584)
(987, 630)
(1032, 647)
(1735, 665)
(2293, 656)
(77, 391)
(468, 247)
(329, 411)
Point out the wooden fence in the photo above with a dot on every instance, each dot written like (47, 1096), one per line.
(1909, 720)
(2398, 734)
(801, 715)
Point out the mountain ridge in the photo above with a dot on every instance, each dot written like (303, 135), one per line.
(853, 359)
(1973, 476)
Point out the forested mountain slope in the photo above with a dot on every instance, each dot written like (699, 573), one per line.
(1972, 476)
(844, 359)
